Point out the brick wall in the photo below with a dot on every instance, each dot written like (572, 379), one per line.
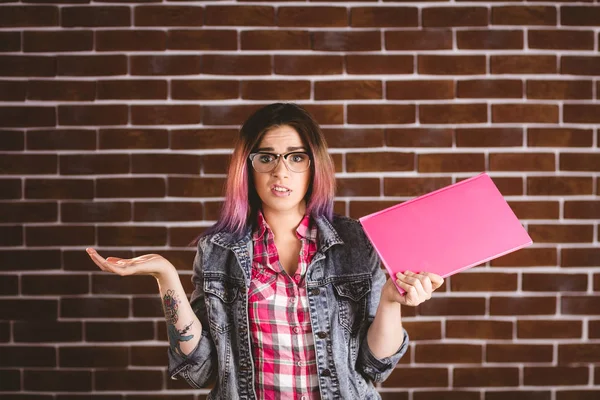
(117, 118)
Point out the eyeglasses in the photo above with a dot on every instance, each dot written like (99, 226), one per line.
(295, 161)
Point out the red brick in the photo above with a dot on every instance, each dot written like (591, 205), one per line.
(57, 381)
(521, 162)
(21, 164)
(28, 212)
(149, 355)
(147, 307)
(535, 209)
(558, 90)
(535, 113)
(489, 137)
(123, 331)
(326, 114)
(240, 15)
(27, 116)
(350, 137)
(358, 187)
(196, 187)
(75, 164)
(479, 329)
(10, 380)
(555, 376)
(452, 306)
(11, 235)
(417, 377)
(581, 113)
(374, 162)
(579, 394)
(451, 394)
(215, 163)
(99, 357)
(130, 187)
(580, 65)
(451, 65)
(490, 88)
(16, 16)
(559, 137)
(27, 66)
(165, 65)
(458, 16)
(59, 189)
(165, 163)
(454, 162)
(95, 16)
(580, 257)
(94, 308)
(312, 16)
(92, 65)
(166, 114)
(202, 40)
(560, 40)
(486, 282)
(54, 284)
(594, 329)
(452, 113)
(564, 233)
(448, 353)
(205, 89)
(61, 90)
(55, 41)
(133, 40)
(384, 17)
(578, 353)
(96, 212)
(430, 39)
(419, 137)
(429, 90)
(346, 41)
(10, 41)
(423, 330)
(550, 329)
(9, 285)
(486, 376)
(521, 353)
(490, 39)
(23, 260)
(120, 380)
(523, 64)
(582, 209)
(522, 306)
(379, 64)
(580, 305)
(275, 90)
(158, 211)
(580, 16)
(46, 331)
(133, 139)
(72, 235)
(275, 40)
(169, 16)
(132, 236)
(361, 208)
(412, 187)
(13, 91)
(203, 138)
(93, 115)
(27, 309)
(524, 15)
(339, 90)
(559, 185)
(307, 65)
(381, 114)
(132, 89)
(10, 188)
(236, 64)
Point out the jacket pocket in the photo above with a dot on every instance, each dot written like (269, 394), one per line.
(352, 297)
(220, 299)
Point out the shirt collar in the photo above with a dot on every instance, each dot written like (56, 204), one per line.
(307, 229)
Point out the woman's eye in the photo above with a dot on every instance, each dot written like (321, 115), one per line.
(265, 158)
(298, 158)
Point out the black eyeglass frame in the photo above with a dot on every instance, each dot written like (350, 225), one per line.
(278, 157)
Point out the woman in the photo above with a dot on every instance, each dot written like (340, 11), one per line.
(289, 300)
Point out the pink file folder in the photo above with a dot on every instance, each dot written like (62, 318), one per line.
(446, 231)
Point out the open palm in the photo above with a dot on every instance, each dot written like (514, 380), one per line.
(148, 264)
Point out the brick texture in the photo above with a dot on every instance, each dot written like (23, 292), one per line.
(117, 120)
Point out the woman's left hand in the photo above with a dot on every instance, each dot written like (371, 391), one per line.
(418, 287)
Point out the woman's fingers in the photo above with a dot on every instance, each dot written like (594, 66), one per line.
(436, 280)
(415, 280)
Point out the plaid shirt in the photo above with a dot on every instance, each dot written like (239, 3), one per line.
(281, 333)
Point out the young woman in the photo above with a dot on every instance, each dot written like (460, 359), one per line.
(289, 300)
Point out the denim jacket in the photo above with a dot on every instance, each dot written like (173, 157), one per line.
(344, 282)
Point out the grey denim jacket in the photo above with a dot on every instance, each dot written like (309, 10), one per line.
(344, 282)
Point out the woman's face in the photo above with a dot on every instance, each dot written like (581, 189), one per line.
(282, 140)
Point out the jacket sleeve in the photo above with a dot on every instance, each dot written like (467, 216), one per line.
(199, 367)
(377, 369)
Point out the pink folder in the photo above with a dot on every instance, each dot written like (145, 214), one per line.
(446, 231)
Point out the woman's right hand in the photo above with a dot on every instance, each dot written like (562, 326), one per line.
(148, 264)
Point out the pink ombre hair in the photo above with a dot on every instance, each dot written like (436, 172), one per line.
(241, 199)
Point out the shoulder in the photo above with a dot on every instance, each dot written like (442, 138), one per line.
(350, 230)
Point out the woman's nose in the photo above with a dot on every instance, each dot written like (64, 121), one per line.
(281, 168)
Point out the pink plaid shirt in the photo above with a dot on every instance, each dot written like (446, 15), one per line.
(281, 333)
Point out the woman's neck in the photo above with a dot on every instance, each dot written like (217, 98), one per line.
(284, 223)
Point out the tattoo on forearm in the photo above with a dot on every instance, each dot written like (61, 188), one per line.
(171, 307)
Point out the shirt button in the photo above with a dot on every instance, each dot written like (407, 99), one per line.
(304, 398)
(300, 363)
(297, 278)
(293, 300)
(326, 372)
(296, 329)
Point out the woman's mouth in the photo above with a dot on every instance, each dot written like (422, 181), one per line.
(280, 191)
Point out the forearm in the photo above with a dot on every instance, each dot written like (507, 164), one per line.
(183, 327)
(385, 335)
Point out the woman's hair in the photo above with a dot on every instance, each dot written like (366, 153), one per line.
(241, 199)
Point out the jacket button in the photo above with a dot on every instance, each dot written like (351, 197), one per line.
(326, 373)
(315, 291)
(322, 335)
